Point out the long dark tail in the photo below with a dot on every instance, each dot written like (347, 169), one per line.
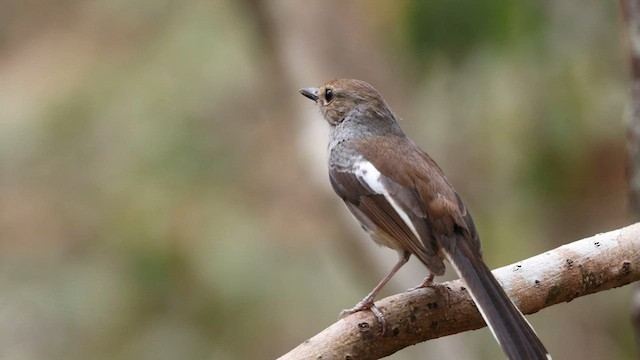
(514, 334)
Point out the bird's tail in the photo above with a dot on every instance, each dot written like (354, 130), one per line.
(512, 331)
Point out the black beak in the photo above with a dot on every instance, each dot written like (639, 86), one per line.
(311, 93)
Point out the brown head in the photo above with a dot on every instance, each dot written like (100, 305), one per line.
(337, 98)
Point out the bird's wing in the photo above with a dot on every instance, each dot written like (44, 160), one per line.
(391, 213)
(414, 169)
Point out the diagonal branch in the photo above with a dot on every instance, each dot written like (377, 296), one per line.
(587, 266)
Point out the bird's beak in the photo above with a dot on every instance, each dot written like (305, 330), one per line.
(311, 93)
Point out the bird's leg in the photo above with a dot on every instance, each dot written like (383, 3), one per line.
(367, 302)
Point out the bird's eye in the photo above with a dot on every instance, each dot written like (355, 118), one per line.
(328, 94)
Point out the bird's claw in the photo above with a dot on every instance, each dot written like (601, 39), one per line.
(429, 283)
(367, 305)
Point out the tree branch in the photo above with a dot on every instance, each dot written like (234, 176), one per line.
(587, 266)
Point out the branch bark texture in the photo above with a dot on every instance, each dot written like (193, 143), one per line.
(587, 266)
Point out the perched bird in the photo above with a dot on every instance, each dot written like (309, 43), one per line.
(403, 201)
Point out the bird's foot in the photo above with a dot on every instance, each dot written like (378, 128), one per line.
(429, 283)
(367, 304)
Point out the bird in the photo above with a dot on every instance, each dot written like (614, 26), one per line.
(403, 200)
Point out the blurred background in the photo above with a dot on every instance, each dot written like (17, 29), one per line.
(163, 186)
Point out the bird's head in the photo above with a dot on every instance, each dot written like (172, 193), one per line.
(338, 98)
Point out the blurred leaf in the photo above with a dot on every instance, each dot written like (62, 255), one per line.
(454, 28)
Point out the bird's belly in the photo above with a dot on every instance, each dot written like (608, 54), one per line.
(384, 239)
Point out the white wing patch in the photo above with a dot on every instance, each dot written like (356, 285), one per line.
(368, 174)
